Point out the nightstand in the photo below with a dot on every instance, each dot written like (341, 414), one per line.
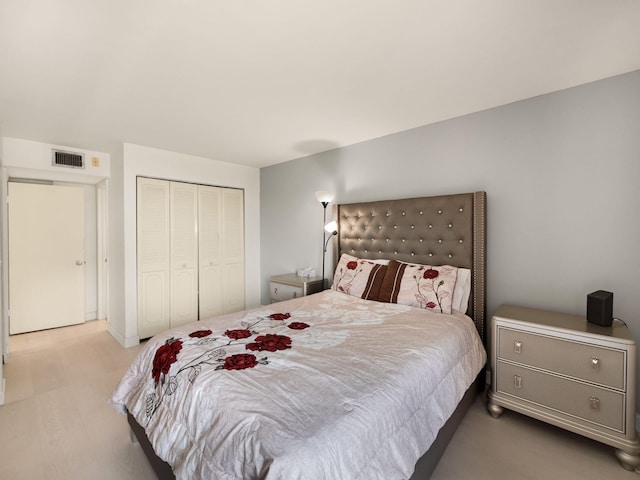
(565, 371)
(290, 285)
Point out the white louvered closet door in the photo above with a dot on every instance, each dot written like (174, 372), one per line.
(210, 251)
(190, 253)
(153, 257)
(233, 249)
(184, 253)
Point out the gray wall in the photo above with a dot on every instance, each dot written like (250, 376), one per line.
(562, 176)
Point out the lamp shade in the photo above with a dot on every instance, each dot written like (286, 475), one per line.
(331, 227)
(325, 196)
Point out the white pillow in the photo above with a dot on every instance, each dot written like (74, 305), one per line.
(462, 290)
(380, 261)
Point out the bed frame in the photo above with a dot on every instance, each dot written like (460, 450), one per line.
(438, 230)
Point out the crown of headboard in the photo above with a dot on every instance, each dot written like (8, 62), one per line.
(438, 230)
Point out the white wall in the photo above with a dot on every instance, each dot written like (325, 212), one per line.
(150, 162)
(29, 159)
(116, 321)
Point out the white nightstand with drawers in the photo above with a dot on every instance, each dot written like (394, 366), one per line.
(288, 286)
(565, 371)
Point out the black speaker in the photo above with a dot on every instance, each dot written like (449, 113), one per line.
(600, 308)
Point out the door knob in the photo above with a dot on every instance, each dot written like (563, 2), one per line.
(79, 263)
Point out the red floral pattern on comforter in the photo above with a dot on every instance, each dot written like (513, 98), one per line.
(215, 356)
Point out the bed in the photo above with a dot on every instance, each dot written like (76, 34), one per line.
(366, 380)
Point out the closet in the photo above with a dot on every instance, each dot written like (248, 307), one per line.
(190, 253)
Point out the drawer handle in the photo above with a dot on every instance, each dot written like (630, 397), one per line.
(517, 381)
(295, 294)
(275, 290)
(517, 346)
(595, 403)
(595, 362)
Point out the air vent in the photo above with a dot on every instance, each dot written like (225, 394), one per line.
(68, 159)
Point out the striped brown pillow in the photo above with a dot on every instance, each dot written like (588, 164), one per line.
(358, 277)
(420, 286)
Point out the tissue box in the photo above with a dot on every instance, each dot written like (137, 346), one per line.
(306, 273)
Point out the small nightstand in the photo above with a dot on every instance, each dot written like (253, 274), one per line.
(290, 285)
(568, 372)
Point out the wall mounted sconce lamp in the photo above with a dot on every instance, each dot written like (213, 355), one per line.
(332, 229)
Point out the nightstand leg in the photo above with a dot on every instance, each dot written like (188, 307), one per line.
(494, 410)
(628, 461)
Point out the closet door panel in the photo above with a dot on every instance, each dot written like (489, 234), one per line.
(233, 226)
(210, 251)
(233, 249)
(233, 287)
(153, 250)
(152, 303)
(184, 253)
(184, 293)
(211, 288)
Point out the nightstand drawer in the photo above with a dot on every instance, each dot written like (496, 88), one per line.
(592, 363)
(588, 402)
(281, 291)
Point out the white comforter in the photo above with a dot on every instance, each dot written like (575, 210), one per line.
(342, 388)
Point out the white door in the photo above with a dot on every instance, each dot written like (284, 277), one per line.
(210, 252)
(233, 249)
(46, 257)
(153, 257)
(184, 253)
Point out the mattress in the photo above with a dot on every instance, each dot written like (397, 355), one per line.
(325, 386)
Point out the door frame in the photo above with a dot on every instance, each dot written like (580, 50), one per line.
(102, 254)
(5, 266)
(39, 175)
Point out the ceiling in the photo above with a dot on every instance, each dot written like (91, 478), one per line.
(258, 82)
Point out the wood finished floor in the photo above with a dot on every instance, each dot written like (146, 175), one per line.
(56, 423)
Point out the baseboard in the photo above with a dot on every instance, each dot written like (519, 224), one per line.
(126, 342)
(131, 342)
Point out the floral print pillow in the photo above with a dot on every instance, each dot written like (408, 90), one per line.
(421, 286)
(358, 277)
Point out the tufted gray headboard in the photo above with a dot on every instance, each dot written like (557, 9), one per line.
(440, 230)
